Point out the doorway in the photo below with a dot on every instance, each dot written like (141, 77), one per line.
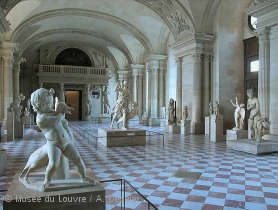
(74, 99)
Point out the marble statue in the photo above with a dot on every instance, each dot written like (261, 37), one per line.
(216, 108)
(254, 106)
(171, 112)
(27, 110)
(99, 58)
(88, 102)
(262, 128)
(239, 115)
(106, 63)
(210, 108)
(17, 107)
(185, 113)
(130, 115)
(163, 112)
(106, 100)
(47, 54)
(39, 158)
(62, 93)
(122, 103)
(145, 116)
(58, 139)
(10, 108)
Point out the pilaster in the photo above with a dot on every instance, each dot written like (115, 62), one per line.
(179, 89)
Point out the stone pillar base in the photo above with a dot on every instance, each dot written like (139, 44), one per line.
(163, 122)
(18, 129)
(29, 121)
(207, 125)
(197, 127)
(236, 134)
(216, 128)
(185, 127)
(173, 128)
(154, 122)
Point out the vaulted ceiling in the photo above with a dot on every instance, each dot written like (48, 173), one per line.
(132, 28)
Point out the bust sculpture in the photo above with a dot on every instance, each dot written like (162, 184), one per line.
(239, 115)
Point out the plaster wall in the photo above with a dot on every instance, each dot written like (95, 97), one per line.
(228, 71)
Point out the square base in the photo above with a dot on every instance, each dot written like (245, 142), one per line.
(121, 138)
(18, 129)
(185, 127)
(3, 161)
(207, 125)
(79, 198)
(249, 146)
(173, 128)
(236, 134)
(2, 132)
(104, 119)
(28, 120)
(154, 122)
(162, 122)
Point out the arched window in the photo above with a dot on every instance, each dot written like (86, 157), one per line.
(73, 57)
(252, 23)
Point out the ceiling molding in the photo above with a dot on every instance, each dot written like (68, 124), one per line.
(84, 13)
(78, 31)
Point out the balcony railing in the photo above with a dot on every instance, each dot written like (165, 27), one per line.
(71, 70)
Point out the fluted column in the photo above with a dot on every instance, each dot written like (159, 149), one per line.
(179, 90)
(264, 71)
(140, 94)
(161, 85)
(206, 85)
(197, 93)
(153, 92)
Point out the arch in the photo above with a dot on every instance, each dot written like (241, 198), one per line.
(73, 57)
(84, 13)
(82, 32)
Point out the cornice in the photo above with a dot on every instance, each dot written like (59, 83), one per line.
(77, 31)
(151, 57)
(137, 66)
(84, 13)
(123, 72)
(261, 8)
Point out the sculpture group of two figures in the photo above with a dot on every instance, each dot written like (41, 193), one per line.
(121, 107)
(257, 124)
(213, 109)
(59, 140)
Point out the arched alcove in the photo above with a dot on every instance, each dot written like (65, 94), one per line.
(73, 57)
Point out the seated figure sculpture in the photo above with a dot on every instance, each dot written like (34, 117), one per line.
(59, 140)
(239, 115)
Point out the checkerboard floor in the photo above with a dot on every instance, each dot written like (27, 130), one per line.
(230, 180)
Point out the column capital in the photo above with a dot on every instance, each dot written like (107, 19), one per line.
(263, 35)
(16, 71)
(197, 56)
(155, 57)
(18, 61)
(8, 48)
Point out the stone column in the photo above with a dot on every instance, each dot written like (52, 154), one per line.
(179, 90)
(197, 125)
(264, 71)
(161, 85)
(140, 94)
(16, 72)
(134, 88)
(206, 85)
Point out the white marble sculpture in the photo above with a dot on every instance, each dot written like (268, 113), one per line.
(122, 103)
(254, 106)
(239, 115)
(210, 108)
(185, 113)
(216, 108)
(88, 102)
(163, 112)
(27, 110)
(144, 116)
(58, 137)
(62, 93)
(106, 100)
(262, 127)
(171, 112)
(130, 114)
(17, 107)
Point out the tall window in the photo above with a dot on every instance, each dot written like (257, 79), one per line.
(252, 23)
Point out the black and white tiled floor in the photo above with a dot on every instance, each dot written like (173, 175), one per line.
(230, 180)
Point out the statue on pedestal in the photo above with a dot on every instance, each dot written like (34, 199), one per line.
(27, 110)
(88, 102)
(106, 100)
(216, 108)
(122, 103)
(185, 113)
(171, 112)
(17, 107)
(58, 136)
(239, 115)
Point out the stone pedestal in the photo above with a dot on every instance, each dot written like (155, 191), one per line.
(29, 121)
(153, 122)
(102, 119)
(10, 126)
(185, 127)
(92, 197)
(271, 137)
(236, 134)
(162, 122)
(207, 125)
(1, 129)
(173, 128)
(3, 161)
(216, 128)
(18, 129)
(121, 138)
(249, 146)
(37, 128)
